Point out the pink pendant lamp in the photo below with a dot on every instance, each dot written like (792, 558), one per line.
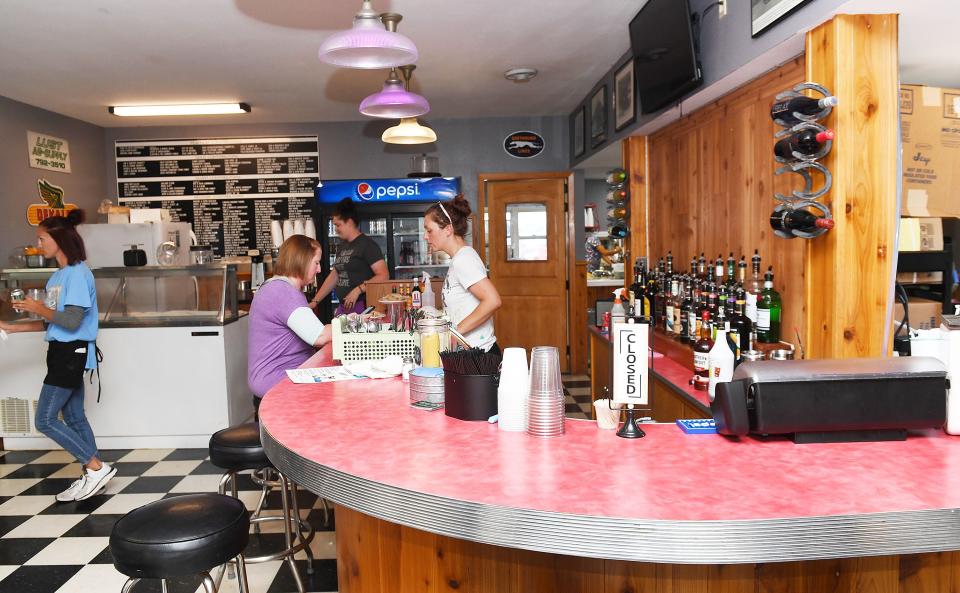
(394, 102)
(368, 44)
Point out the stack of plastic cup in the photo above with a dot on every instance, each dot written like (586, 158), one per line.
(545, 404)
(513, 390)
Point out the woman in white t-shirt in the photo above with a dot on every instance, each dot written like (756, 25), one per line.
(469, 298)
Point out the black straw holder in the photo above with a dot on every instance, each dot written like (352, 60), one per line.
(470, 397)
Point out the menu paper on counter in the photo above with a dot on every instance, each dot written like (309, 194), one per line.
(322, 375)
(630, 352)
(228, 189)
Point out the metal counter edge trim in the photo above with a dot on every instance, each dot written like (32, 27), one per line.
(663, 541)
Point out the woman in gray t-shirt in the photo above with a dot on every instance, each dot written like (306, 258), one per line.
(359, 259)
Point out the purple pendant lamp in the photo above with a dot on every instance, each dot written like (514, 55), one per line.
(369, 44)
(394, 101)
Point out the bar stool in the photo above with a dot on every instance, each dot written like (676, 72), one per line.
(237, 449)
(179, 536)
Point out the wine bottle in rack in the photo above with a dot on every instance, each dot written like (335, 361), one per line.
(785, 110)
(805, 142)
(799, 220)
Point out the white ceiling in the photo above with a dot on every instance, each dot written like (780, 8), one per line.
(76, 57)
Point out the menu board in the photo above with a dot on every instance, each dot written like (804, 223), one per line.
(229, 189)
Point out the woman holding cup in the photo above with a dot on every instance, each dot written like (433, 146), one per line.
(70, 318)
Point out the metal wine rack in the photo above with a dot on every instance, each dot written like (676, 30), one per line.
(804, 165)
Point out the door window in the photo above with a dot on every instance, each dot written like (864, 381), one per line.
(526, 232)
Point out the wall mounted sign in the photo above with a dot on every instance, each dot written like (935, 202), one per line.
(630, 341)
(414, 189)
(53, 203)
(523, 145)
(229, 189)
(48, 152)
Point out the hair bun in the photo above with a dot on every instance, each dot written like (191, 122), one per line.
(76, 216)
(461, 205)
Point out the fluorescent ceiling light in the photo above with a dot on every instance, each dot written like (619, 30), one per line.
(203, 109)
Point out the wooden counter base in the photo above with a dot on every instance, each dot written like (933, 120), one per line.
(376, 556)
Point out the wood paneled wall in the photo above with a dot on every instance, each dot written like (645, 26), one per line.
(711, 186)
(374, 556)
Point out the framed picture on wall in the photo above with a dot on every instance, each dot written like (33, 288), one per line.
(598, 116)
(764, 13)
(624, 97)
(578, 131)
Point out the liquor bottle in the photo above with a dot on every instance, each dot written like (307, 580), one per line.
(618, 175)
(617, 196)
(678, 308)
(668, 307)
(718, 269)
(415, 300)
(754, 287)
(693, 267)
(740, 327)
(721, 360)
(731, 307)
(712, 299)
(805, 142)
(721, 319)
(619, 231)
(618, 213)
(670, 264)
(688, 311)
(784, 110)
(731, 273)
(769, 309)
(701, 352)
(702, 267)
(742, 272)
(701, 304)
(722, 295)
(650, 298)
(798, 220)
(637, 288)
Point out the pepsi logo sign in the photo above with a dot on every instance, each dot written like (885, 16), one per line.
(364, 192)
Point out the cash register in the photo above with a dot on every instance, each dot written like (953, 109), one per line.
(856, 399)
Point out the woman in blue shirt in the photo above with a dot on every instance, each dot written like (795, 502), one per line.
(70, 317)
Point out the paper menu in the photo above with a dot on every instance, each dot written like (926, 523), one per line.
(322, 375)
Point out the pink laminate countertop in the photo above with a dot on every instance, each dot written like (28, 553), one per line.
(366, 429)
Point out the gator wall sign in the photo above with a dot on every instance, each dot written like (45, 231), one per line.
(48, 152)
(523, 145)
(53, 204)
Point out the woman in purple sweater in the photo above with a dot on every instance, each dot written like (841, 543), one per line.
(284, 331)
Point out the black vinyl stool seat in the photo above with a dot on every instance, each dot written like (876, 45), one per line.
(179, 536)
(238, 448)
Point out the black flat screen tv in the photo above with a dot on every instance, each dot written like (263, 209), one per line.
(665, 62)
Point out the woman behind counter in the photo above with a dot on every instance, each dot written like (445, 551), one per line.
(469, 297)
(359, 259)
(284, 332)
(71, 320)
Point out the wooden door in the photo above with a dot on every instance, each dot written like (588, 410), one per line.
(528, 261)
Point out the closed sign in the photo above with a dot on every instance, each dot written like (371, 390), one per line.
(523, 145)
(630, 352)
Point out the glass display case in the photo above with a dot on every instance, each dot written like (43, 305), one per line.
(167, 296)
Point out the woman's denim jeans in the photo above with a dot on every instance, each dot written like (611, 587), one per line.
(74, 433)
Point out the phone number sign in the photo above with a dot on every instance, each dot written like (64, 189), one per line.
(48, 152)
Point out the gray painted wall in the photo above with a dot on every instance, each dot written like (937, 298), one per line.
(351, 150)
(83, 186)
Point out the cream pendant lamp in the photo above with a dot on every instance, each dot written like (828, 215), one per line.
(409, 130)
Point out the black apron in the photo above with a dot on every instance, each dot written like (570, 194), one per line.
(66, 362)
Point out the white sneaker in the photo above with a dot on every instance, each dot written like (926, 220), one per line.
(70, 494)
(95, 480)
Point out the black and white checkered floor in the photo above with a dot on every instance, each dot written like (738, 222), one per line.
(48, 547)
(577, 391)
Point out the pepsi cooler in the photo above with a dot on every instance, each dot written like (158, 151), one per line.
(856, 399)
(391, 213)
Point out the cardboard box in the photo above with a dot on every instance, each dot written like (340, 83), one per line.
(930, 131)
(924, 313)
